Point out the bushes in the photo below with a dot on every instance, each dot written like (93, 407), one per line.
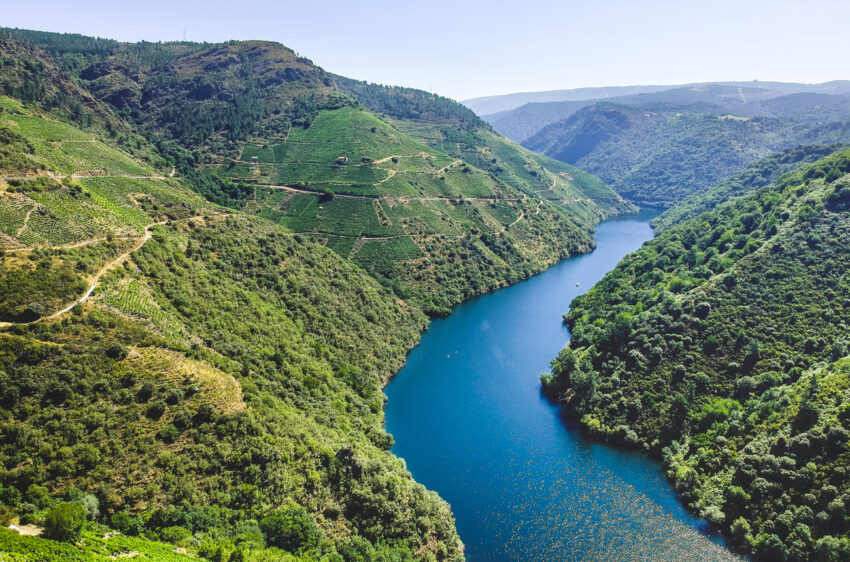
(65, 522)
(291, 528)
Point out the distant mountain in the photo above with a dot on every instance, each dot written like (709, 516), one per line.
(659, 153)
(746, 99)
(488, 105)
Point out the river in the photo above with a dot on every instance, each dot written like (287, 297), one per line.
(469, 419)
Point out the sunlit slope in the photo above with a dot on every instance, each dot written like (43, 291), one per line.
(402, 209)
(220, 359)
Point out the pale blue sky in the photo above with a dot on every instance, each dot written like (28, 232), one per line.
(464, 49)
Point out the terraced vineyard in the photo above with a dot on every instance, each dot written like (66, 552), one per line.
(212, 376)
(64, 149)
(404, 210)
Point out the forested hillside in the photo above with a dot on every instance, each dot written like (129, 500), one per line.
(659, 154)
(220, 388)
(722, 348)
(754, 176)
(214, 257)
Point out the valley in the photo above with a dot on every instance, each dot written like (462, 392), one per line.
(254, 310)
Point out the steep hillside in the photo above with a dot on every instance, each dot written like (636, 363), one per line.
(31, 76)
(427, 199)
(185, 370)
(722, 347)
(754, 176)
(658, 155)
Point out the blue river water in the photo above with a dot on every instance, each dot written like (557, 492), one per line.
(469, 419)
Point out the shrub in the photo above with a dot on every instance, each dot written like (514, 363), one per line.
(6, 515)
(116, 351)
(64, 522)
(291, 528)
(127, 524)
(38, 495)
(175, 534)
(168, 433)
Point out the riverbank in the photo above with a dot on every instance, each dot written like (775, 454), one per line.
(468, 417)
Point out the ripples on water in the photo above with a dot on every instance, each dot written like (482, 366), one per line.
(468, 417)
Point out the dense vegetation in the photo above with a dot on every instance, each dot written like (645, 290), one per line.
(424, 196)
(659, 154)
(410, 103)
(220, 391)
(721, 347)
(754, 176)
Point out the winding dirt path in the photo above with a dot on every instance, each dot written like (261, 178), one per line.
(395, 197)
(26, 221)
(118, 260)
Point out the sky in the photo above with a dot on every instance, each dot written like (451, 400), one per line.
(470, 48)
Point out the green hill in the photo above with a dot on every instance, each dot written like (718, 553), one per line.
(754, 176)
(424, 195)
(214, 257)
(221, 368)
(721, 347)
(658, 155)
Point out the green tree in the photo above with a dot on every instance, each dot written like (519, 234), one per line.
(291, 528)
(64, 522)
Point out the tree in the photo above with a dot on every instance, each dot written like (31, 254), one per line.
(64, 522)
(291, 528)
(809, 412)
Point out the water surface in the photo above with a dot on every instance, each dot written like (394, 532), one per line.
(469, 419)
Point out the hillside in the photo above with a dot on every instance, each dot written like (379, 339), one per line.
(721, 347)
(755, 176)
(658, 155)
(185, 370)
(214, 258)
(410, 186)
